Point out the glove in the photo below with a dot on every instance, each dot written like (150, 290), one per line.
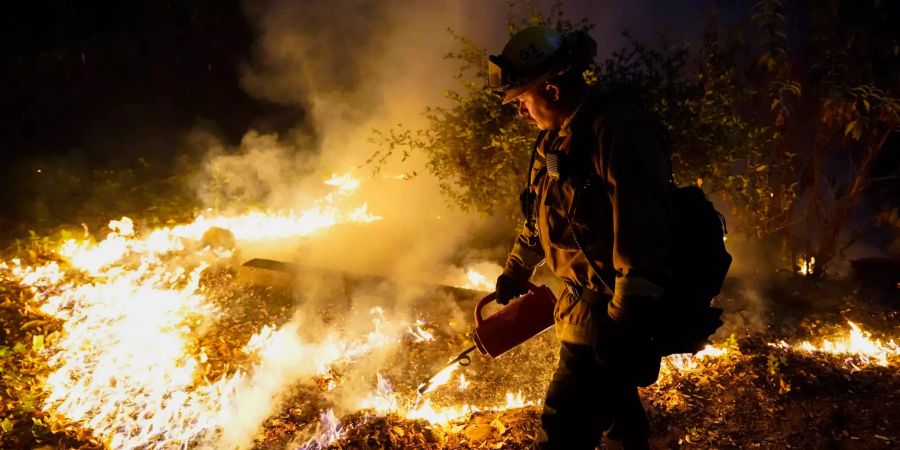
(629, 310)
(509, 288)
(633, 301)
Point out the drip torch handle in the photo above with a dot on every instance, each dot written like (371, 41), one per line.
(489, 298)
(463, 359)
(463, 356)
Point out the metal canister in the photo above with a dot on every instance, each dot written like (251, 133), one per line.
(516, 323)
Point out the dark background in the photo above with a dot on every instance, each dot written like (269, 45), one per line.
(102, 92)
(73, 72)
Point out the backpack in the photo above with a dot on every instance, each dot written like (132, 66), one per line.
(697, 263)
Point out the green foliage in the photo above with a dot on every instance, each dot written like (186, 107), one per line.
(478, 149)
(762, 121)
(756, 117)
(480, 167)
(7, 425)
(832, 119)
(61, 202)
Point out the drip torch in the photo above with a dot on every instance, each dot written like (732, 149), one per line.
(522, 319)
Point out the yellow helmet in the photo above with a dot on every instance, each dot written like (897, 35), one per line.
(533, 56)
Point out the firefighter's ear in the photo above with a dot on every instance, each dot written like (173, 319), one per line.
(551, 92)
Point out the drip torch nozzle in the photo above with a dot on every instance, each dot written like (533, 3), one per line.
(463, 359)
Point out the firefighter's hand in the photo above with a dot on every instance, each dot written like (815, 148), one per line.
(629, 311)
(632, 304)
(509, 288)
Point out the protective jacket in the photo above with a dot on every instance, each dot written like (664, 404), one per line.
(611, 181)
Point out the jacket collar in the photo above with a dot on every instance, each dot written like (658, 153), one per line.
(566, 127)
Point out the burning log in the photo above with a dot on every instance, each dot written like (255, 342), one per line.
(272, 273)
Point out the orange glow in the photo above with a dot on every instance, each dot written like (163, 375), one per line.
(857, 346)
(478, 277)
(131, 303)
(684, 362)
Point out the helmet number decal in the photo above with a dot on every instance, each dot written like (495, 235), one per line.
(530, 52)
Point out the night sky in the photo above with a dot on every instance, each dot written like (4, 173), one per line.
(107, 79)
(113, 78)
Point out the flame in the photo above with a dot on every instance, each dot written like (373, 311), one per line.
(441, 416)
(441, 378)
(328, 431)
(478, 281)
(420, 334)
(447, 415)
(346, 184)
(687, 361)
(477, 277)
(463, 383)
(858, 347)
(806, 266)
(282, 344)
(384, 400)
(516, 400)
(131, 304)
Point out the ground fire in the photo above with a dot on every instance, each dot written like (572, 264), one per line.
(417, 224)
(156, 344)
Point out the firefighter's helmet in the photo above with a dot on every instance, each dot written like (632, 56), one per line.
(534, 55)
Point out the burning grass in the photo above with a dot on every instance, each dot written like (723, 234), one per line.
(150, 339)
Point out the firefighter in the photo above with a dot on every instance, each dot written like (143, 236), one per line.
(596, 212)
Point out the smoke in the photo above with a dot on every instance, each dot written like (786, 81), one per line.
(746, 296)
(353, 67)
(290, 354)
(262, 171)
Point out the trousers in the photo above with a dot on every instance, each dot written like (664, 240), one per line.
(586, 398)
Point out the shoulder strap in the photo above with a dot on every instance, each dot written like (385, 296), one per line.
(534, 149)
(526, 197)
(592, 177)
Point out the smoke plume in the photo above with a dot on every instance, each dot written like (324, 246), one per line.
(354, 67)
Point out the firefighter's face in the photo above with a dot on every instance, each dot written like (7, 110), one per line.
(540, 105)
